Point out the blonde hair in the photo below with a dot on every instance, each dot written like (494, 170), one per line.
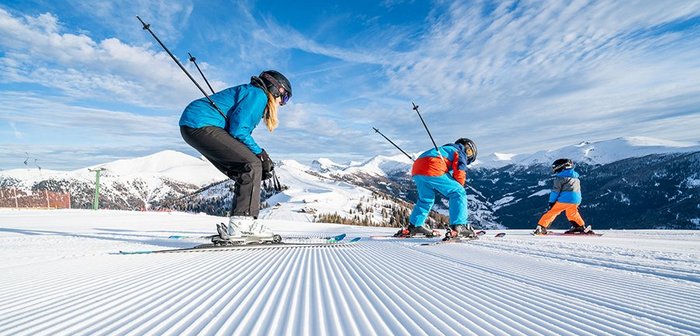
(271, 119)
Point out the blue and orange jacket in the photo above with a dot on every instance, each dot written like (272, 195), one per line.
(243, 105)
(454, 162)
(567, 187)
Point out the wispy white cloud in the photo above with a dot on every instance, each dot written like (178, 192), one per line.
(169, 18)
(541, 68)
(15, 130)
(64, 135)
(518, 75)
(514, 75)
(56, 113)
(37, 52)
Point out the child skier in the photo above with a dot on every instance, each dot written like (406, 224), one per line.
(565, 196)
(445, 173)
(227, 143)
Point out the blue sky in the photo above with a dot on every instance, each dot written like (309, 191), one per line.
(81, 83)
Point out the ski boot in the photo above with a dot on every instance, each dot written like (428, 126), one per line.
(540, 231)
(578, 229)
(242, 230)
(421, 230)
(460, 231)
(404, 232)
(260, 232)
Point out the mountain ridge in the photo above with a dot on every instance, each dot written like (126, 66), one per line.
(507, 194)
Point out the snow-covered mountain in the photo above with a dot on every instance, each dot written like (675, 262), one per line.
(173, 180)
(124, 184)
(650, 183)
(654, 183)
(593, 153)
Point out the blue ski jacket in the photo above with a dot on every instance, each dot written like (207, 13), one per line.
(567, 187)
(244, 106)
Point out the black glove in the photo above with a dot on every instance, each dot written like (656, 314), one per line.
(551, 204)
(267, 165)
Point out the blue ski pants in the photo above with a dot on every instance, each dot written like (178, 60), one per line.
(445, 185)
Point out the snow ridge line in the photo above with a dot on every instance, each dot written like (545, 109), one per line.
(602, 260)
(669, 296)
(482, 301)
(371, 288)
(91, 302)
(665, 311)
(666, 299)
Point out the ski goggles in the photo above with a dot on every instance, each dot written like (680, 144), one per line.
(284, 98)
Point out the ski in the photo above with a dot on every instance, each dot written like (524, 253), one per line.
(563, 234)
(402, 237)
(450, 241)
(327, 241)
(336, 238)
(212, 247)
(331, 239)
(189, 237)
(463, 240)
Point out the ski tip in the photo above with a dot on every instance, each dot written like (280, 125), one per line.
(356, 239)
(135, 252)
(177, 237)
(337, 238)
(500, 234)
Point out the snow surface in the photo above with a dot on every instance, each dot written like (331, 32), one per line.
(310, 195)
(59, 276)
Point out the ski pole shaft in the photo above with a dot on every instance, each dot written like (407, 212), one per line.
(276, 182)
(395, 145)
(415, 108)
(194, 60)
(148, 27)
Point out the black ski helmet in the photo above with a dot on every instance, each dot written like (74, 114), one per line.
(561, 164)
(469, 148)
(277, 84)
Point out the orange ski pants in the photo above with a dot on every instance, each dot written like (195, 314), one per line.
(571, 214)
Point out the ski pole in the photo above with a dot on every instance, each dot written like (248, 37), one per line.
(148, 27)
(276, 182)
(395, 145)
(415, 108)
(194, 60)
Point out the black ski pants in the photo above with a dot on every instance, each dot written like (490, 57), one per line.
(235, 160)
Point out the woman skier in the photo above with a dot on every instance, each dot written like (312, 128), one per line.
(227, 143)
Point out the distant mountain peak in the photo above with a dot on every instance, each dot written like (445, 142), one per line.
(594, 152)
(324, 165)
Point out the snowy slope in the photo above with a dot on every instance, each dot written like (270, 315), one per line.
(59, 277)
(308, 195)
